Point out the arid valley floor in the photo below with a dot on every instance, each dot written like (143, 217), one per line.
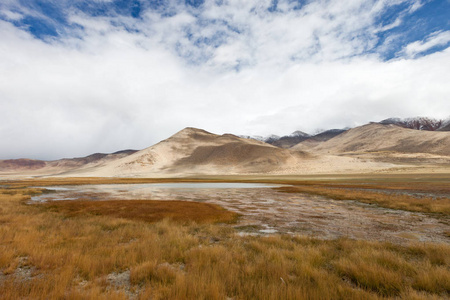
(360, 214)
(310, 237)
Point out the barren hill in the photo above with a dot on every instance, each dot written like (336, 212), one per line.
(197, 151)
(376, 137)
(21, 164)
(41, 167)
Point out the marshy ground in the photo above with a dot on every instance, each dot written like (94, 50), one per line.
(286, 209)
(320, 239)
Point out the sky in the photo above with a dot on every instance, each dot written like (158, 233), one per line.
(78, 77)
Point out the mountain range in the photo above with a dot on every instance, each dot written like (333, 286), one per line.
(389, 145)
(418, 123)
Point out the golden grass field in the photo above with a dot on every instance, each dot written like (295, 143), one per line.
(135, 250)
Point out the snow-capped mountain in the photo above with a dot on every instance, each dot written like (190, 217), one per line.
(288, 141)
(267, 139)
(445, 126)
(299, 133)
(418, 123)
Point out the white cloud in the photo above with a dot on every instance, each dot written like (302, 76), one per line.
(109, 88)
(439, 38)
(415, 6)
(11, 15)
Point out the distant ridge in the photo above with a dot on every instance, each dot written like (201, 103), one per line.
(377, 137)
(61, 164)
(419, 123)
(288, 141)
(296, 137)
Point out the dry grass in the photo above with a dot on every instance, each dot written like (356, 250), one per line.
(56, 254)
(389, 200)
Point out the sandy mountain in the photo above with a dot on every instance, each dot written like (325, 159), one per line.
(376, 137)
(196, 151)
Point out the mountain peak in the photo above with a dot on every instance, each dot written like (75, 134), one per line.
(190, 132)
(299, 133)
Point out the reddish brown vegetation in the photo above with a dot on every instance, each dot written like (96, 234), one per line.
(144, 210)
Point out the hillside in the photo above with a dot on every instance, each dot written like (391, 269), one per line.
(41, 167)
(288, 141)
(192, 152)
(319, 138)
(197, 151)
(376, 137)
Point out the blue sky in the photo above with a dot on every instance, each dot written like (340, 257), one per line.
(103, 75)
(403, 21)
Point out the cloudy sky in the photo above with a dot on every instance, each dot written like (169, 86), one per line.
(78, 76)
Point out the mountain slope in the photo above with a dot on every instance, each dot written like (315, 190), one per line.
(36, 167)
(288, 141)
(21, 164)
(319, 138)
(197, 151)
(445, 126)
(376, 137)
(369, 148)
